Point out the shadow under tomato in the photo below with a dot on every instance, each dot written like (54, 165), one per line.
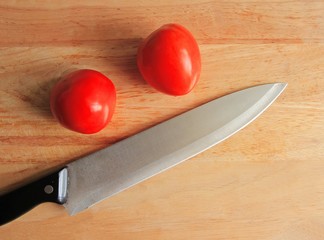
(121, 57)
(31, 89)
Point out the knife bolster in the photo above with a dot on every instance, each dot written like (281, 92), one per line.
(62, 186)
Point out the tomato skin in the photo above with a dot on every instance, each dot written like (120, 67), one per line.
(83, 101)
(169, 60)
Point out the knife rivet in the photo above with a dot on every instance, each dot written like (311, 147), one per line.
(48, 189)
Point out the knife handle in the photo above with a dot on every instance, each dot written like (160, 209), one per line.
(52, 188)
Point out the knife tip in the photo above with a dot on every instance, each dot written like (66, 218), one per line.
(283, 85)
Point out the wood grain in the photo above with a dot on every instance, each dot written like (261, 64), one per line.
(266, 182)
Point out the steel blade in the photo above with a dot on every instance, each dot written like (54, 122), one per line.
(130, 161)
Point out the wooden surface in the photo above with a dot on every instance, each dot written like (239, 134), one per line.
(265, 182)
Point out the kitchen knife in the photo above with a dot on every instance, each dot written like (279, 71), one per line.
(104, 173)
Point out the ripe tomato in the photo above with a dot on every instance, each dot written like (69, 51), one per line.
(83, 101)
(169, 60)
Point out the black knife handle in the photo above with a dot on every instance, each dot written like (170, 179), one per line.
(52, 188)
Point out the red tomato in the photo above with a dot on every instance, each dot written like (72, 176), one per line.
(169, 60)
(83, 101)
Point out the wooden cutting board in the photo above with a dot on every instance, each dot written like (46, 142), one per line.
(265, 182)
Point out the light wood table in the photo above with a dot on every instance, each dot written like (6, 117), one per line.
(265, 182)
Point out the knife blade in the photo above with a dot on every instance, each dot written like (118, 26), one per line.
(109, 171)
